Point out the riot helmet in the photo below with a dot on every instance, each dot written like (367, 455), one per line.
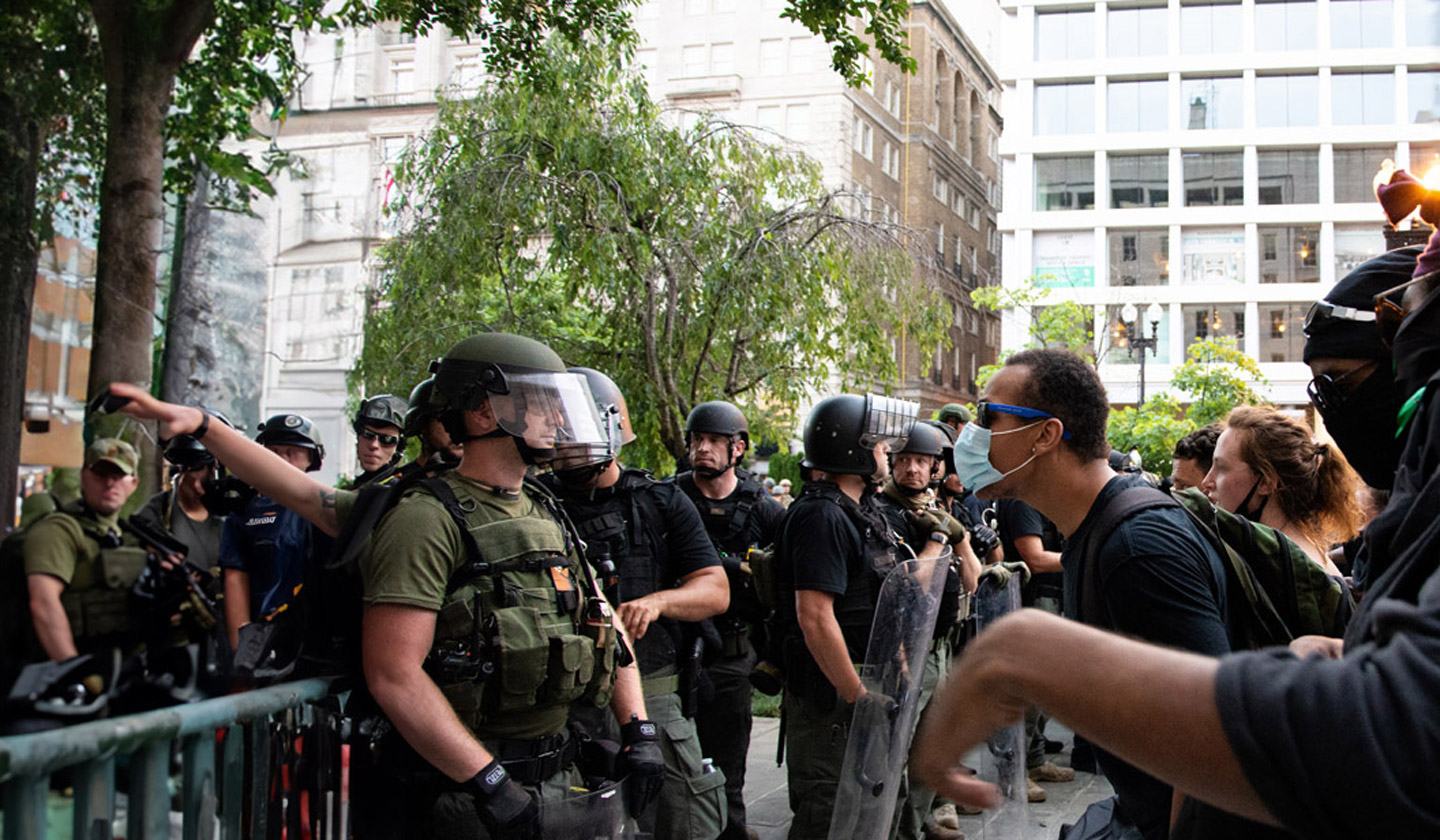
(293, 430)
(381, 410)
(420, 410)
(717, 417)
(953, 413)
(842, 432)
(533, 398)
(591, 458)
(924, 439)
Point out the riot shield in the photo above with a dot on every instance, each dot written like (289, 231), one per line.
(884, 719)
(588, 815)
(1001, 759)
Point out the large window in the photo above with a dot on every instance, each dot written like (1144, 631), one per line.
(1140, 180)
(1289, 176)
(1212, 256)
(1422, 158)
(1210, 28)
(1139, 257)
(1285, 26)
(1422, 23)
(1137, 106)
(1065, 258)
(1213, 103)
(1360, 23)
(1065, 183)
(1289, 254)
(1287, 100)
(1282, 332)
(1120, 351)
(1425, 96)
(1064, 35)
(1214, 178)
(1363, 98)
(1355, 170)
(1137, 32)
(1214, 320)
(1354, 244)
(1065, 109)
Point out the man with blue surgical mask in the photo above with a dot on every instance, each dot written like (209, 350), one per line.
(1038, 436)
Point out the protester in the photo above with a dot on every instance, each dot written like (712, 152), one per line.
(1194, 455)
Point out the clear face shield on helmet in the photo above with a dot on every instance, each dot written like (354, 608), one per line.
(574, 456)
(888, 420)
(548, 410)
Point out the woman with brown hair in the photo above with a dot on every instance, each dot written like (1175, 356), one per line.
(1269, 468)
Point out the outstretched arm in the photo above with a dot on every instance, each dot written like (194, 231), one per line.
(1151, 706)
(251, 462)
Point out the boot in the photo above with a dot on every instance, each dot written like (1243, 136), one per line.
(1051, 772)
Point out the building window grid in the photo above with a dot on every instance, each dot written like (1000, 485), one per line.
(1361, 23)
(1286, 25)
(1363, 98)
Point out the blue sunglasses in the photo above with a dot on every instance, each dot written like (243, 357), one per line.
(984, 409)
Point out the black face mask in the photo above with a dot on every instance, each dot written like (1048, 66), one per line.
(1243, 508)
(1364, 428)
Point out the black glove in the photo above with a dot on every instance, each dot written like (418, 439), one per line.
(643, 762)
(506, 808)
(983, 539)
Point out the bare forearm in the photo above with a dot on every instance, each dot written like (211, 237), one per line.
(696, 599)
(52, 627)
(237, 604)
(425, 719)
(827, 645)
(1151, 706)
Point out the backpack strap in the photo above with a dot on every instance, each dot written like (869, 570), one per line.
(442, 491)
(1123, 505)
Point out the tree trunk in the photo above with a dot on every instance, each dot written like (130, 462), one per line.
(19, 167)
(143, 45)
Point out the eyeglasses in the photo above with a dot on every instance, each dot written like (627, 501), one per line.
(1389, 314)
(385, 440)
(1329, 392)
(984, 409)
(1323, 310)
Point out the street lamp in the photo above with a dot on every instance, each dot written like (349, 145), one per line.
(1136, 338)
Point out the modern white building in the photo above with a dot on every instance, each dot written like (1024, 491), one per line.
(1213, 158)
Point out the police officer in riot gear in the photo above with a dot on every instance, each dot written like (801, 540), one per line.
(647, 538)
(482, 623)
(379, 437)
(738, 515)
(835, 549)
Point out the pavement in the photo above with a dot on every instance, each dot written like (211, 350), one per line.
(768, 808)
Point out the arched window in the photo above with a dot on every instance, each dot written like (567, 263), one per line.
(957, 118)
(940, 74)
(976, 125)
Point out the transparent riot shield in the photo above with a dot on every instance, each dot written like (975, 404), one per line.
(1001, 759)
(884, 718)
(588, 815)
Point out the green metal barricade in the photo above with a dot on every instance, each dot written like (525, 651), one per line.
(91, 749)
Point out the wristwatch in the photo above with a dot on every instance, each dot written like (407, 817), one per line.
(940, 537)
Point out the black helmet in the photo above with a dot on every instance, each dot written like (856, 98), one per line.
(615, 422)
(293, 430)
(924, 439)
(521, 378)
(185, 451)
(841, 432)
(381, 410)
(718, 417)
(420, 409)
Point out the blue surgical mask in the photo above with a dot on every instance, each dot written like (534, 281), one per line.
(972, 457)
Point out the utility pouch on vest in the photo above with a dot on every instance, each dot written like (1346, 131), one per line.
(105, 609)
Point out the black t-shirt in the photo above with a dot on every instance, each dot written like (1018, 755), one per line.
(1015, 519)
(821, 547)
(1340, 749)
(676, 539)
(1160, 581)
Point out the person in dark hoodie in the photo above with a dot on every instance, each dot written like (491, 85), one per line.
(1328, 739)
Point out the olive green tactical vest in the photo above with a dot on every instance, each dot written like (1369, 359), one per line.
(97, 600)
(545, 653)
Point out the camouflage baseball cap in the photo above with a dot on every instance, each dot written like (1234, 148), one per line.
(115, 451)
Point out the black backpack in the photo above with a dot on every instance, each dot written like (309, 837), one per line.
(1275, 592)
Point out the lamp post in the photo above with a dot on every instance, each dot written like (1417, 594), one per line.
(1136, 338)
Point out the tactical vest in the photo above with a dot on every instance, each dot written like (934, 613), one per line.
(733, 528)
(520, 606)
(880, 552)
(97, 599)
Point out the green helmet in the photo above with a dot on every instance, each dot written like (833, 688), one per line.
(293, 430)
(381, 410)
(533, 397)
(953, 411)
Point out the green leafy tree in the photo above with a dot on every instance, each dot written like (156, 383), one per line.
(687, 264)
(1216, 376)
(1062, 323)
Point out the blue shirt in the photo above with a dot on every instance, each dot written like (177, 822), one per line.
(272, 545)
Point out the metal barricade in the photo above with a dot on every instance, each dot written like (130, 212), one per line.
(91, 749)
